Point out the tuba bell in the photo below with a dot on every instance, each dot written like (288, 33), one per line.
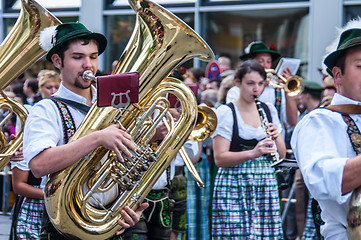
(18, 51)
(293, 85)
(160, 43)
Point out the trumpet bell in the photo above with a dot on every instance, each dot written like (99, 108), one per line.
(206, 124)
(293, 85)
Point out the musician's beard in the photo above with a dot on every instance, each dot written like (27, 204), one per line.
(79, 84)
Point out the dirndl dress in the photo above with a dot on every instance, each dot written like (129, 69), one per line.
(27, 218)
(246, 202)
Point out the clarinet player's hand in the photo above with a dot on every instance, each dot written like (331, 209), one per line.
(263, 147)
(272, 131)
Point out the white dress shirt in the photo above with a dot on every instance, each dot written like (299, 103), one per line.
(322, 147)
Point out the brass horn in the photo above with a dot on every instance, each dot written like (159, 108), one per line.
(159, 44)
(206, 124)
(293, 85)
(18, 51)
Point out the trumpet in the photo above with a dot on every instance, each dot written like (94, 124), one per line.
(293, 85)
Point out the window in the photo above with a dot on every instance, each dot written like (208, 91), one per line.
(119, 31)
(51, 4)
(228, 33)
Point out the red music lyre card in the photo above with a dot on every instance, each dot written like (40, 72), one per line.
(118, 90)
(174, 102)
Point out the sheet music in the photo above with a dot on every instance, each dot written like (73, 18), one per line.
(284, 63)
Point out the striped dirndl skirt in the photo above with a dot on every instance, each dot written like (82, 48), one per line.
(246, 203)
(29, 219)
(310, 229)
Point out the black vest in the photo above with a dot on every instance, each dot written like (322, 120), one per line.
(240, 144)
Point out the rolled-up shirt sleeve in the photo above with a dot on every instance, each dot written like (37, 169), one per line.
(42, 129)
(320, 146)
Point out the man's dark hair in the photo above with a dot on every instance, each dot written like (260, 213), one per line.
(198, 73)
(340, 62)
(84, 41)
(33, 84)
(249, 66)
(315, 94)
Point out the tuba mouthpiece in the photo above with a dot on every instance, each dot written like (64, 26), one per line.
(89, 76)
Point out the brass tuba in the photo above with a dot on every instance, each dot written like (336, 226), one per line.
(18, 51)
(293, 85)
(159, 44)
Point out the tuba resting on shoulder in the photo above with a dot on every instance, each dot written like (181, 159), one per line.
(159, 44)
(18, 51)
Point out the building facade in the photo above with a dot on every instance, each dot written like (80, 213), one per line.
(297, 28)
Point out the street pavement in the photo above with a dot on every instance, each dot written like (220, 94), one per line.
(5, 223)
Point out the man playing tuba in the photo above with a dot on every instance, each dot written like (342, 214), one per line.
(73, 49)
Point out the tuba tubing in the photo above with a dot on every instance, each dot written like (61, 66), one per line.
(159, 44)
(18, 51)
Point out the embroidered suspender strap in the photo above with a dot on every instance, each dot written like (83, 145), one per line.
(278, 97)
(48, 230)
(67, 120)
(345, 108)
(353, 133)
(81, 107)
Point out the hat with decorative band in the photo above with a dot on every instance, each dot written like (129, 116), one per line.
(258, 47)
(348, 39)
(52, 38)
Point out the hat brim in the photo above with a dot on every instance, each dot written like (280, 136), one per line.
(331, 59)
(274, 55)
(100, 38)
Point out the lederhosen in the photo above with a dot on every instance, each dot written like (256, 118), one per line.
(245, 198)
(178, 193)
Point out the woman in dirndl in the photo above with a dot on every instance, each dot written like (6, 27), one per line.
(246, 203)
(28, 209)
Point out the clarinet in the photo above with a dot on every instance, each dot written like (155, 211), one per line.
(282, 184)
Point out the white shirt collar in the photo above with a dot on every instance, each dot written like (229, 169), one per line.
(340, 99)
(64, 92)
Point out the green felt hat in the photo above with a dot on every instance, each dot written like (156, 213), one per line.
(349, 38)
(313, 88)
(259, 47)
(310, 85)
(62, 33)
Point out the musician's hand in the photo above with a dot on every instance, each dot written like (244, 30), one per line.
(18, 155)
(272, 131)
(115, 138)
(287, 73)
(130, 217)
(263, 147)
(160, 132)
